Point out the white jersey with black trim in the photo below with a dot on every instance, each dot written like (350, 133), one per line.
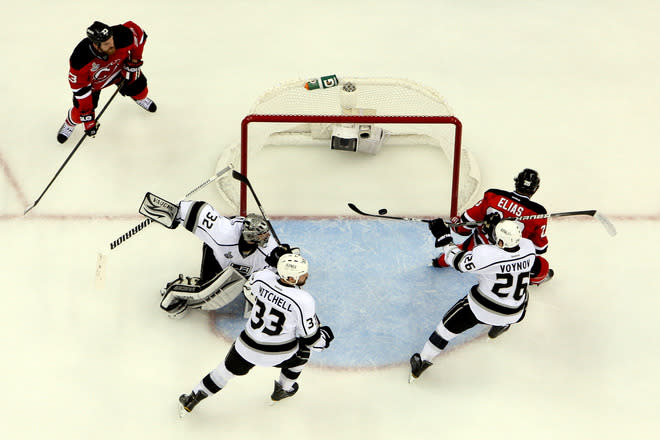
(222, 234)
(500, 297)
(282, 317)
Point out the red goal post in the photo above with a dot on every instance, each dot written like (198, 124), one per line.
(415, 121)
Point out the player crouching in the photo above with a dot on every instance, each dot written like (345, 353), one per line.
(499, 298)
(233, 248)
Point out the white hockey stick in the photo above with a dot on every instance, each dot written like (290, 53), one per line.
(146, 222)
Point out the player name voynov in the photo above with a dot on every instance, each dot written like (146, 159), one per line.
(518, 265)
(275, 299)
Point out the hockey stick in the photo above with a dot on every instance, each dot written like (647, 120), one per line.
(242, 178)
(607, 224)
(74, 150)
(146, 222)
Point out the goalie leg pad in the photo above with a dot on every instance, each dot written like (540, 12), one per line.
(218, 292)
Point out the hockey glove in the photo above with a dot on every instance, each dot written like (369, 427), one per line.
(441, 232)
(326, 338)
(277, 253)
(489, 223)
(132, 69)
(89, 121)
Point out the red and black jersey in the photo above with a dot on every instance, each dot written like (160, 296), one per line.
(508, 204)
(89, 71)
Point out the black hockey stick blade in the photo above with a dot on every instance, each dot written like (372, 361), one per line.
(391, 217)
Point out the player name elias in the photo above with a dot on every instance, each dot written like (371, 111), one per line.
(275, 299)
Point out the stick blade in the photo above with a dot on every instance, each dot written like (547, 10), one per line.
(29, 208)
(607, 224)
(238, 176)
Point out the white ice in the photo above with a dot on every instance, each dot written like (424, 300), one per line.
(567, 87)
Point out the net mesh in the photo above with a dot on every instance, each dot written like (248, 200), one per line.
(372, 96)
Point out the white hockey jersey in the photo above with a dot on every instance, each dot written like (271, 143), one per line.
(500, 297)
(283, 317)
(222, 235)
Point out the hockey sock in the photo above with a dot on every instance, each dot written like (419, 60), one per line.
(143, 94)
(69, 118)
(287, 384)
(429, 352)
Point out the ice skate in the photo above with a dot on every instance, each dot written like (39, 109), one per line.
(147, 104)
(548, 277)
(279, 393)
(65, 132)
(189, 401)
(497, 330)
(417, 367)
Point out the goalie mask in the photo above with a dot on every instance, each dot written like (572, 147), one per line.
(292, 266)
(507, 234)
(256, 230)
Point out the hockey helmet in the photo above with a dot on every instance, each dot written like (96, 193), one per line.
(507, 233)
(256, 230)
(292, 266)
(99, 32)
(527, 182)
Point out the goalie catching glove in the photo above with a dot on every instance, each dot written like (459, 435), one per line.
(441, 232)
(160, 210)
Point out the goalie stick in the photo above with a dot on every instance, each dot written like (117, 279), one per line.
(242, 178)
(607, 224)
(146, 222)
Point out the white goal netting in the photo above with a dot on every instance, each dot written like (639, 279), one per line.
(416, 157)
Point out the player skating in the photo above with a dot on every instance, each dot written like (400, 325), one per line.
(282, 330)
(108, 55)
(499, 299)
(501, 203)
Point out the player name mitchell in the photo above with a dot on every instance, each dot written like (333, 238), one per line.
(274, 298)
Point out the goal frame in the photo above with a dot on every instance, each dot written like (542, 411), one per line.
(354, 119)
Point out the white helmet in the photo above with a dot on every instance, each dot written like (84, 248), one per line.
(507, 233)
(292, 266)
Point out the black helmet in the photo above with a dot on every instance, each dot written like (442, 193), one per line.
(527, 182)
(99, 32)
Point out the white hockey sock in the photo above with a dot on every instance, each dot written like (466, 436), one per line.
(286, 383)
(429, 352)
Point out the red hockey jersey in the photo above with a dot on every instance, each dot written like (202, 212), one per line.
(508, 204)
(89, 72)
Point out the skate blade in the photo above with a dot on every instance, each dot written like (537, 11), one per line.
(411, 378)
(182, 411)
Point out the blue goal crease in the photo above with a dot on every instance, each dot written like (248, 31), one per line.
(373, 284)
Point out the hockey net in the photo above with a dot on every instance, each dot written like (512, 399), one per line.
(286, 147)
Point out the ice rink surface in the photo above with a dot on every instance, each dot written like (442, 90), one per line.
(570, 88)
